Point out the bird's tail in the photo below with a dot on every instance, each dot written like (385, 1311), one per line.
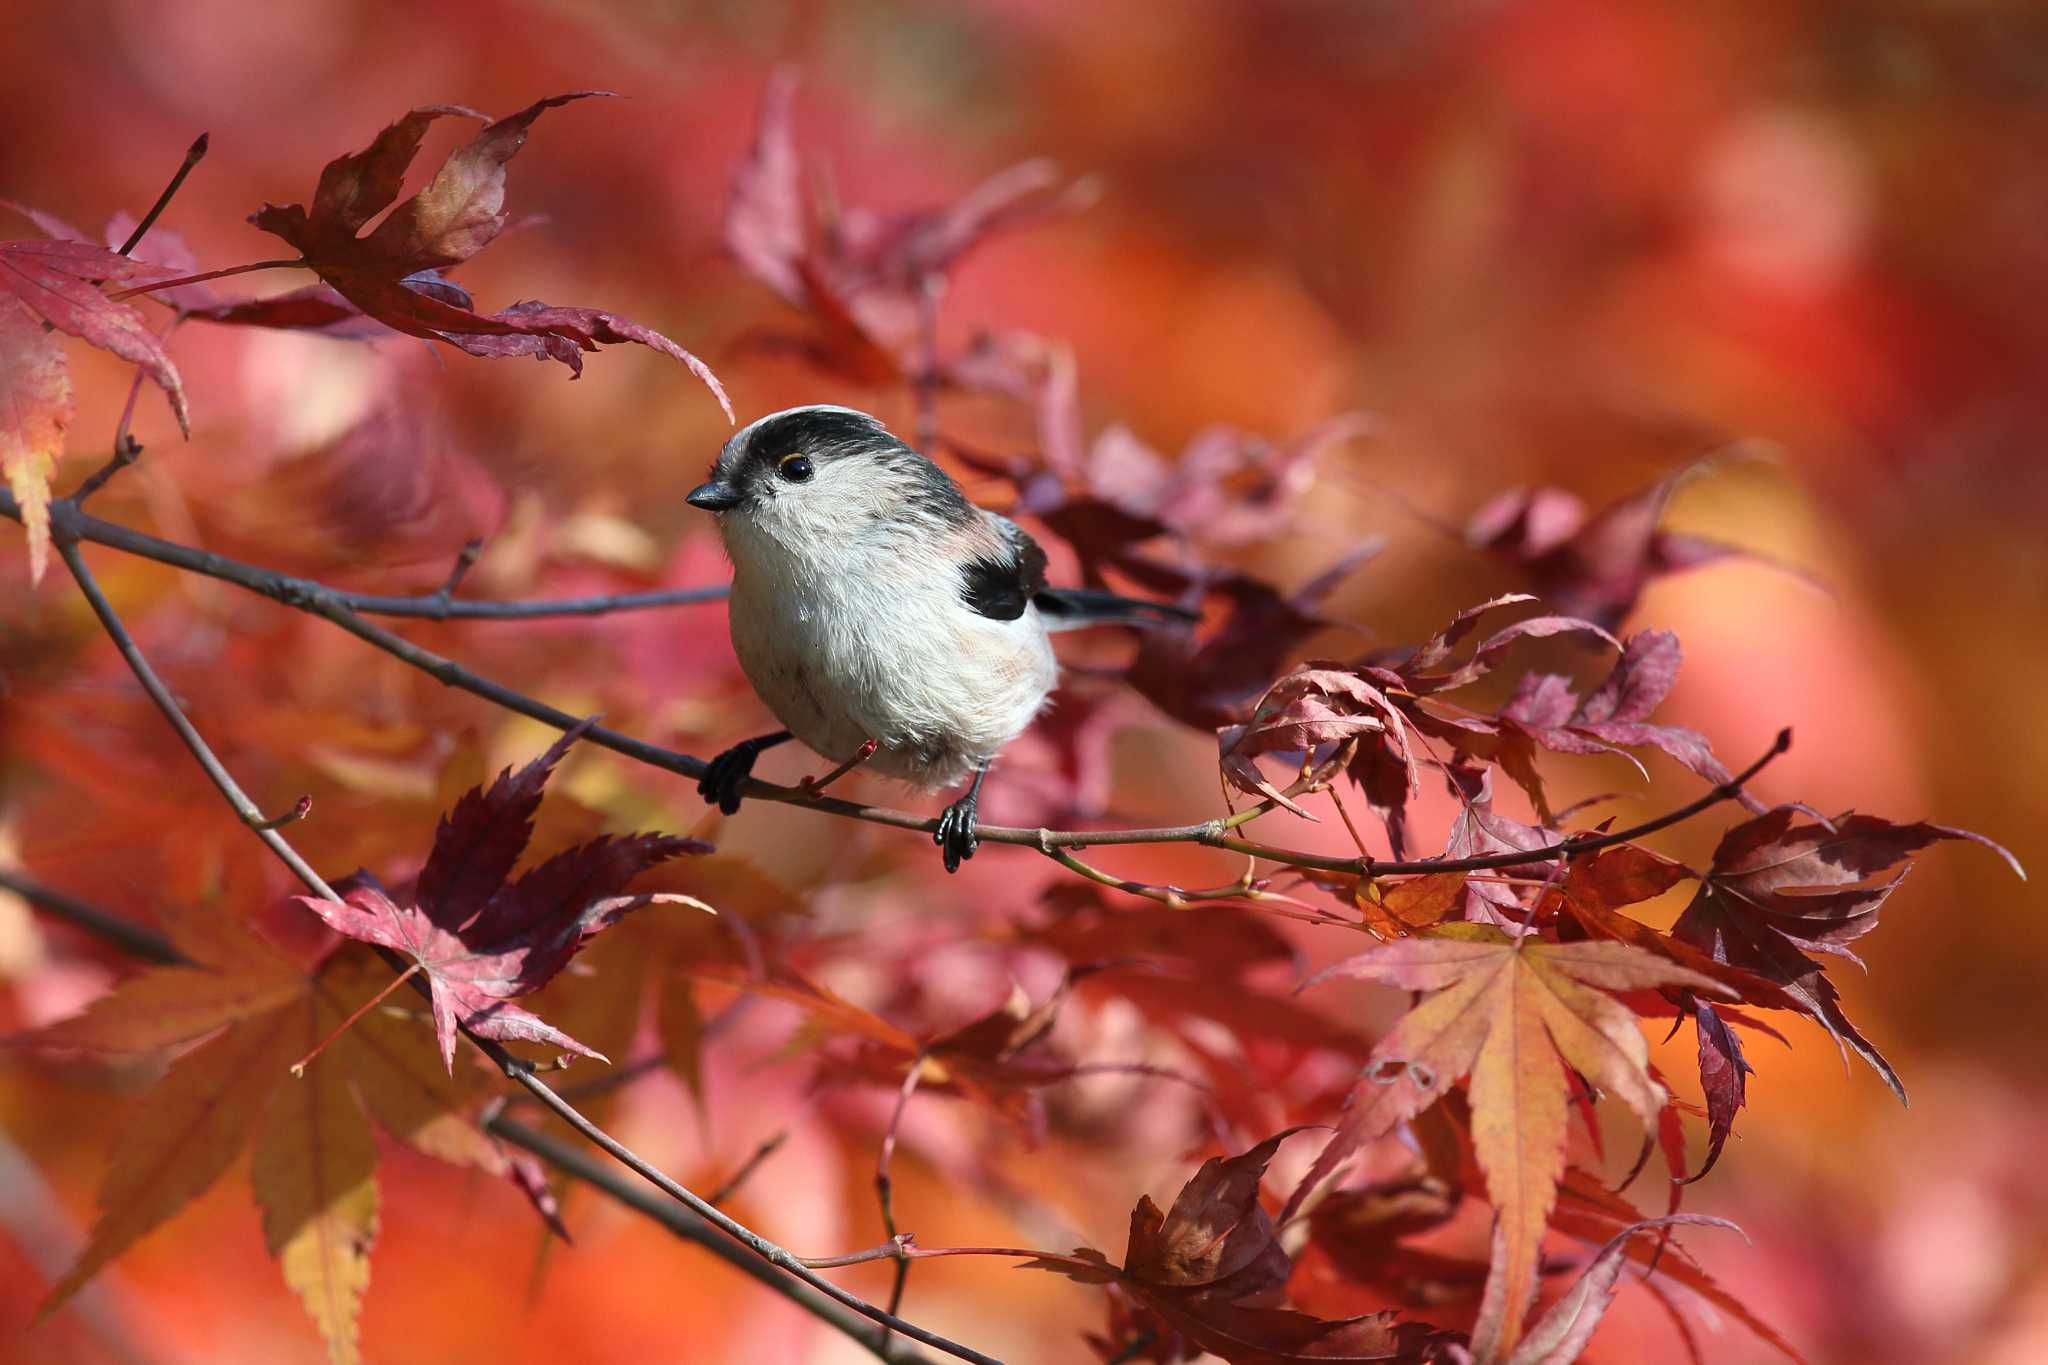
(1073, 608)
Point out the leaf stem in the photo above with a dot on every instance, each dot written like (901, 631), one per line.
(298, 1068)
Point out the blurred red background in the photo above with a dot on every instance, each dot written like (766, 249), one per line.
(1566, 242)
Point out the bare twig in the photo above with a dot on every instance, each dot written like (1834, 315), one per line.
(884, 1187)
(464, 562)
(300, 809)
(816, 785)
(127, 450)
(230, 790)
(768, 1251)
(347, 611)
(298, 592)
(691, 1228)
(1245, 888)
(45, 1235)
(129, 937)
(163, 201)
(746, 1170)
(516, 1069)
(924, 384)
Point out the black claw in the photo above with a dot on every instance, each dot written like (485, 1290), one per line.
(955, 834)
(720, 785)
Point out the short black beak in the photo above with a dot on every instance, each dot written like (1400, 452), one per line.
(714, 496)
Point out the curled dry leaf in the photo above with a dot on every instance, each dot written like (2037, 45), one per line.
(1561, 1334)
(1209, 1267)
(1317, 705)
(386, 273)
(1783, 885)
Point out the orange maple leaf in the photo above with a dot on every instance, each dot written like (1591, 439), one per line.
(314, 1165)
(1510, 1014)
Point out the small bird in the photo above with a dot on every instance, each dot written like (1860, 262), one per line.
(872, 601)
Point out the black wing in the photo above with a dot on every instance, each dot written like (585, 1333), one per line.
(1001, 584)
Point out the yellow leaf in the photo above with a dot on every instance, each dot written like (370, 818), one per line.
(35, 407)
(315, 1177)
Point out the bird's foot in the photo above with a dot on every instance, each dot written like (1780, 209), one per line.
(720, 785)
(955, 834)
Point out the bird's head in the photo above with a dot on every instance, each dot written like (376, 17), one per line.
(814, 478)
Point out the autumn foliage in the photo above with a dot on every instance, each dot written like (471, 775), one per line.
(1425, 1032)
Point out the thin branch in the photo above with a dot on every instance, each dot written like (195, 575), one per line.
(300, 809)
(924, 384)
(204, 276)
(816, 785)
(127, 450)
(884, 1186)
(691, 1228)
(464, 562)
(298, 592)
(1245, 888)
(223, 781)
(129, 937)
(768, 1251)
(163, 201)
(435, 607)
(519, 1071)
(343, 609)
(746, 1170)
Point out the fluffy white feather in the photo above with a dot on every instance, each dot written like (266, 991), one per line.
(848, 617)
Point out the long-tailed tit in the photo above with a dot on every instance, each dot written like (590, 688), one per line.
(872, 601)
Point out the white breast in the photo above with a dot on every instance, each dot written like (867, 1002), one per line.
(877, 643)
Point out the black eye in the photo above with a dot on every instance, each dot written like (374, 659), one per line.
(795, 468)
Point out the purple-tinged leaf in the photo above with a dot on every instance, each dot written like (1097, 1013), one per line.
(1724, 1079)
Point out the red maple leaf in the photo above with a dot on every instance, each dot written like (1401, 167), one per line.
(388, 273)
(864, 276)
(1594, 564)
(481, 939)
(59, 281)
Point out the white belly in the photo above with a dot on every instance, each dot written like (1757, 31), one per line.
(847, 658)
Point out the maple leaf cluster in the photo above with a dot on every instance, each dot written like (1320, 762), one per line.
(1447, 1195)
(482, 937)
